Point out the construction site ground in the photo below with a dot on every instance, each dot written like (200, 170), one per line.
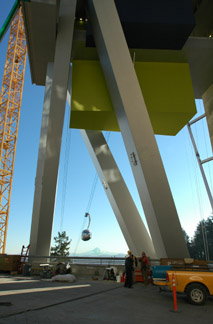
(35, 300)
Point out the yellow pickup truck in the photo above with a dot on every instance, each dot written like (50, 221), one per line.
(196, 284)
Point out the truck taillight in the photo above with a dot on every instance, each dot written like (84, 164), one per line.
(167, 277)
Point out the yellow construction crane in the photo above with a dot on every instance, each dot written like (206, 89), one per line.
(10, 104)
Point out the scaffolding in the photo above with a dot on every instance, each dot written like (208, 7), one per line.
(10, 104)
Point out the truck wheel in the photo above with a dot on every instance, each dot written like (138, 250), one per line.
(196, 294)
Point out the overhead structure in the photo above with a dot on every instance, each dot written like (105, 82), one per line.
(10, 104)
(117, 31)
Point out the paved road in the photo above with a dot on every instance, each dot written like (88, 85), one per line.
(31, 300)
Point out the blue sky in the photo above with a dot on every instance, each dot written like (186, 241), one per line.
(77, 179)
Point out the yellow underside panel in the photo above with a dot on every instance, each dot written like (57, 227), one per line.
(166, 87)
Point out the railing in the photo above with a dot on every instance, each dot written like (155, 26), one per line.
(78, 260)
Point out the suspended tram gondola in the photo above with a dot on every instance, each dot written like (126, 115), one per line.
(86, 234)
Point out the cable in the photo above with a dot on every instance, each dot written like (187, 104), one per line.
(88, 209)
(205, 141)
(66, 164)
(194, 165)
(205, 242)
(92, 193)
(189, 149)
(205, 239)
(107, 135)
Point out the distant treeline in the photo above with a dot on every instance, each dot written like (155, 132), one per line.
(200, 245)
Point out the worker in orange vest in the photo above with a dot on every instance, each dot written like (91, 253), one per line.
(145, 267)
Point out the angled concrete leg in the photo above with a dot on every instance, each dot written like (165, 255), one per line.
(50, 143)
(136, 129)
(128, 217)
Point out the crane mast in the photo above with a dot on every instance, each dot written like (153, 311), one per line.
(10, 104)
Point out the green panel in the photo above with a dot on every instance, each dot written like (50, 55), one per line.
(166, 88)
(9, 18)
(102, 120)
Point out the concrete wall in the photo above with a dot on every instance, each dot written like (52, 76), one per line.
(81, 270)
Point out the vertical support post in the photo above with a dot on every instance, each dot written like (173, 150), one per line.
(208, 106)
(136, 129)
(41, 233)
(41, 159)
(200, 166)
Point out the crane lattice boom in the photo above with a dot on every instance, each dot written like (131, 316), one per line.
(10, 104)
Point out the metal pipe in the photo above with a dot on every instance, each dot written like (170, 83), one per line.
(207, 160)
(197, 119)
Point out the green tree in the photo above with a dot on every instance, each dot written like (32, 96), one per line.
(62, 244)
(209, 235)
(188, 243)
(187, 239)
(201, 244)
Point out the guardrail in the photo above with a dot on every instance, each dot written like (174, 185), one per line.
(106, 261)
(77, 260)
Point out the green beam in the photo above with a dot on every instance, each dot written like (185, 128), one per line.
(10, 17)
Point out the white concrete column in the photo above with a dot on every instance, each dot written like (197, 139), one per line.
(41, 229)
(136, 130)
(41, 159)
(208, 106)
(127, 215)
